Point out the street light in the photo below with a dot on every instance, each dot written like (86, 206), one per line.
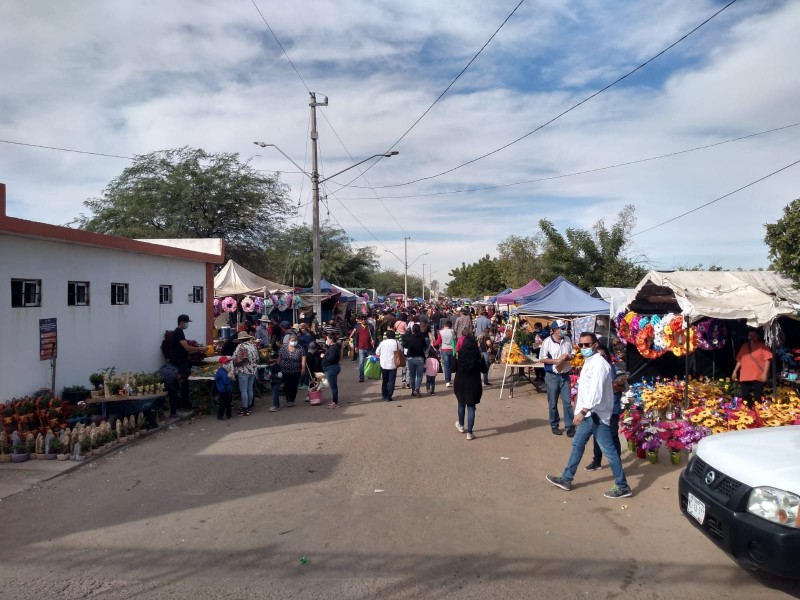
(406, 265)
(315, 183)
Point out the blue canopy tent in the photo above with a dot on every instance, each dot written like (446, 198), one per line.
(561, 298)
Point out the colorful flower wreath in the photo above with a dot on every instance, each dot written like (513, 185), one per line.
(268, 304)
(248, 304)
(644, 340)
(680, 331)
(217, 307)
(297, 301)
(229, 305)
(259, 305)
(623, 324)
(711, 334)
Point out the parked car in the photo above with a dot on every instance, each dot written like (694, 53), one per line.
(742, 490)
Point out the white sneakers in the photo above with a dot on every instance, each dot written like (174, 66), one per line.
(459, 427)
(448, 384)
(470, 436)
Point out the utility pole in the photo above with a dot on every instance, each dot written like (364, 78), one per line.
(316, 268)
(423, 281)
(405, 272)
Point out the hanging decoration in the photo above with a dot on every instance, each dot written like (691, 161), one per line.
(297, 301)
(654, 335)
(644, 343)
(711, 334)
(248, 304)
(217, 307)
(268, 305)
(282, 304)
(229, 305)
(259, 305)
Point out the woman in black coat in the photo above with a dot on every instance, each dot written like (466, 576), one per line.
(468, 367)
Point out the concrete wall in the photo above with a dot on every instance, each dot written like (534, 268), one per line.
(96, 336)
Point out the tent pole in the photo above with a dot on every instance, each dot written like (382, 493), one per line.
(774, 362)
(508, 356)
(686, 365)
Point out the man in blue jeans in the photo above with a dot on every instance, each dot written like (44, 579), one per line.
(556, 354)
(363, 338)
(592, 416)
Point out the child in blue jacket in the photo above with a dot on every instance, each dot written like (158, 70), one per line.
(222, 380)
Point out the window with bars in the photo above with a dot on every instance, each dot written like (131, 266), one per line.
(78, 293)
(119, 293)
(197, 294)
(26, 292)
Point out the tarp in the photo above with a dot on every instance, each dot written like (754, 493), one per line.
(493, 299)
(235, 280)
(757, 296)
(326, 287)
(617, 298)
(563, 298)
(521, 295)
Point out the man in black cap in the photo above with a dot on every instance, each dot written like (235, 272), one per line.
(179, 350)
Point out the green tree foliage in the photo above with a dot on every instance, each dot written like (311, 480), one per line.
(289, 258)
(390, 281)
(189, 193)
(518, 259)
(591, 259)
(476, 279)
(783, 239)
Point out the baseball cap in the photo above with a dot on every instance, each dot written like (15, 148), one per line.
(557, 324)
(184, 319)
(224, 360)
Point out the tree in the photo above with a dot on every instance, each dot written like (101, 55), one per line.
(518, 259)
(189, 193)
(783, 239)
(391, 281)
(476, 279)
(289, 258)
(591, 259)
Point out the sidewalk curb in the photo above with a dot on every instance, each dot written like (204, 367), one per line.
(77, 464)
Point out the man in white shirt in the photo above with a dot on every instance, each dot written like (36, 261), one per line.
(481, 323)
(593, 409)
(556, 354)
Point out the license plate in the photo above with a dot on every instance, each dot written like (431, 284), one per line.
(696, 508)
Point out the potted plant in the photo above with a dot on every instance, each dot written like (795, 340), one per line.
(86, 446)
(58, 448)
(97, 379)
(75, 393)
(55, 448)
(21, 450)
(5, 451)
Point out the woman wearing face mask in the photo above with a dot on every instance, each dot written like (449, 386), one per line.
(332, 368)
(292, 362)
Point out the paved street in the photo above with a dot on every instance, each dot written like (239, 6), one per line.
(382, 500)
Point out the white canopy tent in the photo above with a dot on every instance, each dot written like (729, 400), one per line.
(234, 280)
(757, 296)
(617, 298)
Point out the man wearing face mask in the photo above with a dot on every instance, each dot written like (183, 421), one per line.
(593, 410)
(179, 350)
(556, 354)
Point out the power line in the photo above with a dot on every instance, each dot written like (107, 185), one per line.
(586, 172)
(447, 89)
(688, 212)
(275, 37)
(67, 150)
(569, 110)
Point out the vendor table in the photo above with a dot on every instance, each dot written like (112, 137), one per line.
(518, 374)
(128, 405)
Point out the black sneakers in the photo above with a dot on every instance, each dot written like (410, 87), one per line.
(558, 482)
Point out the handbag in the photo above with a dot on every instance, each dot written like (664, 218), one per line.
(399, 358)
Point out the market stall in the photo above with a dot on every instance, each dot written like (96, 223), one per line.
(520, 295)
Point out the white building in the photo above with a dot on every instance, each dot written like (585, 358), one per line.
(112, 300)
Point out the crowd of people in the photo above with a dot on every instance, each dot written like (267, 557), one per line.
(417, 344)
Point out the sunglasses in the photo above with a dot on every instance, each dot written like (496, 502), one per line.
(586, 345)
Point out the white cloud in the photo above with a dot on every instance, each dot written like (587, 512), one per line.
(130, 77)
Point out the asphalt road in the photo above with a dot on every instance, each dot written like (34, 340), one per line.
(373, 500)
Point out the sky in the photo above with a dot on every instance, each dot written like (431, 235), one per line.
(131, 77)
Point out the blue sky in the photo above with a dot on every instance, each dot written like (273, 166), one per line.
(134, 76)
